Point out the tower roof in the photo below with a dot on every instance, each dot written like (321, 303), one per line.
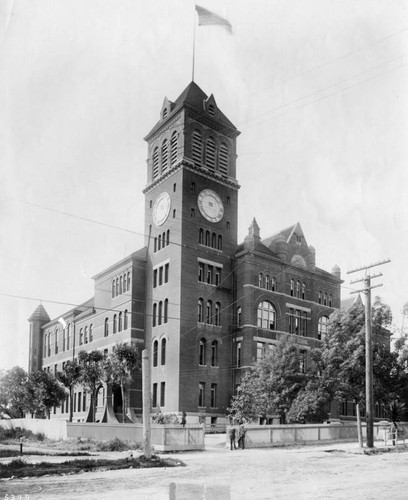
(40, 314)
(194, 98)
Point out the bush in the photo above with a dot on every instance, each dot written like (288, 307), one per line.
(115, 444)
(165, 418)
(18, 433)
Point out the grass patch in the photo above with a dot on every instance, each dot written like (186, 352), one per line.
(5, 453)
(17, 434)
(20, 468)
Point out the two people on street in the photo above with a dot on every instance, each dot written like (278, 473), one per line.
(233, 434)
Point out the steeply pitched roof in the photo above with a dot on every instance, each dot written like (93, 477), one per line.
(40, 314)
(285, 233)
(193, 97)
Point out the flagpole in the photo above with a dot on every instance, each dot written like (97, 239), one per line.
(192, 79)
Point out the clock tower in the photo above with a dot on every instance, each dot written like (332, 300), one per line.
(191, 202)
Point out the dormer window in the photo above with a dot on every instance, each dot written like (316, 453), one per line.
(211, 109)
(164, 113)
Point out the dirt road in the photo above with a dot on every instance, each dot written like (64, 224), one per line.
(318, 473)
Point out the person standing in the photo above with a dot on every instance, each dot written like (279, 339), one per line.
(241, 437)
(183, 418)
(231, 435)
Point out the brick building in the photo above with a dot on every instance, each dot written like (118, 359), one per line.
(205, 306)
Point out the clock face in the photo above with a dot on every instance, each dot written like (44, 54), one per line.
(161, 209)
(210, 205)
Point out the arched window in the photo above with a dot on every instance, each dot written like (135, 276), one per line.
(322, 327)
(223, 159)
(56, 340)
(155, 352)
(214, 241)
(115, 323)
(163, 352)
(200, 313)
(202, 352)
(125, 320)
(210, 154)
(155, 162)
(49, 343)
(197, 147)
(201, 236)
(207, 238)
(81, 336)
(273, 284)
(219, 242)
(160, 312)
(154, 313)
(124, 283)
(208, 318)
(106, 330)
(113, 288)
(63, 339)
(168, 237)
(120, 322)
(117, 287)
(320, 297)
(298, 289)
(292, 287)
(128, 281)
(267, 282)
(260, 280)
(173, 147)
(214, 353)
(217, 315)
(303, 290)
(120, 285)
(239, 316)
(164, 155)
(165, 310)
(330, 300)
(45, 346)
(68, 334)
(159, 242)
(86, 335)
(266, 315)
(325, 299)
(90, 333)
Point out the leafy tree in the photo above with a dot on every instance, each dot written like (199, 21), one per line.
(91, 364)
(45, 392)
(13, 392)
(69, 377)
(272, 384)
(125, 362)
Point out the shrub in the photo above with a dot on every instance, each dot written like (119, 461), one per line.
(165, 418)
(115, 444)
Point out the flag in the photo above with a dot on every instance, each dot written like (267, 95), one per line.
(63, 322)
(206, 17)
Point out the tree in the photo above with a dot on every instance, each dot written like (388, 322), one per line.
(125, 362)
(13, 392)
(69, 377)
(45, 392)
(91, 375)
(272, 384)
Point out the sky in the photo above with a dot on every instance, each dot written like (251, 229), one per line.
(318, 89)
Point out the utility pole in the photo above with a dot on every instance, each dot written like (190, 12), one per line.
(368, 344)
(147, 448)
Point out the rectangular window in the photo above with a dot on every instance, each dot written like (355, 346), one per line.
(160, 276)
(291, 321)
(260, 351)
(200, 271)
(201, 394)
(304, 324)
(79, 401)
(84, 402)
(166, 273)
(210, 275)
(162, 394)
(213, 402)
(238, 353)
(155, 278)
(217, 276)
(154, 398)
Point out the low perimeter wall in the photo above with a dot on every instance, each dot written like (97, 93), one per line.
(52, 429)
(263, 436)
(164, 438)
